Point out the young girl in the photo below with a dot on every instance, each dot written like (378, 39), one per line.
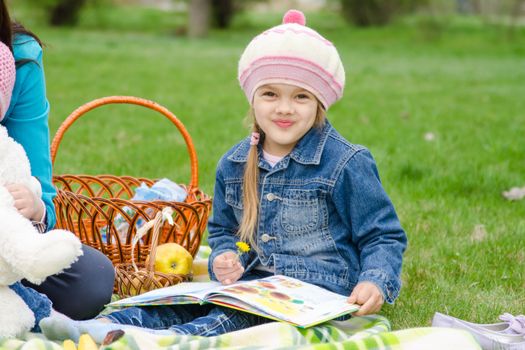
(25, 117)
(309, 202)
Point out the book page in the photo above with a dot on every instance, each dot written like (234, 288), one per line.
(285, 298)
(181, 293)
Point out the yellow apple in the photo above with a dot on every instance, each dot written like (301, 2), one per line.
(85, 342)
(172, 258)
(68, 344)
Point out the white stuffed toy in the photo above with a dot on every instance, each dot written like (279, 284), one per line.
(24, 252)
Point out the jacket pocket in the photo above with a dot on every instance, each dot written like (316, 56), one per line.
(302, 210)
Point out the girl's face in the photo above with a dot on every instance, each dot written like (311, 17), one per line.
(285, 113)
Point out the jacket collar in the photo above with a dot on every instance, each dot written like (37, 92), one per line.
(307, 151)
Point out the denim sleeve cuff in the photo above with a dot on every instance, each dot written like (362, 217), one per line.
(388, 286)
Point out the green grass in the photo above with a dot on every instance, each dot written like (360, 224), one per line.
(457, 78)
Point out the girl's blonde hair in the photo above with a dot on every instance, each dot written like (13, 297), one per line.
(250, 196)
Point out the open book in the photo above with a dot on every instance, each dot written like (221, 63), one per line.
(277, 297)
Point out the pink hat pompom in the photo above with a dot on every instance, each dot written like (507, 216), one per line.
(294, 16)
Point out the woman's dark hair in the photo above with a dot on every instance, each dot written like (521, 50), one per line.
(6, 34)
(9, 28)
(17, 28)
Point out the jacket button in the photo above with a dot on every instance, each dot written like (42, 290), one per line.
(265, 237)
(270, 197)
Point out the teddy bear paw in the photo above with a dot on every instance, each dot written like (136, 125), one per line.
(54, 252)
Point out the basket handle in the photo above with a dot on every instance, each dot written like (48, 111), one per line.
(80, 111)
(156, 224)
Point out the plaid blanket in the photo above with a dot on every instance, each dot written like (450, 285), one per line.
(369, 332)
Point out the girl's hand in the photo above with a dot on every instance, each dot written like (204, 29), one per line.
(227, 268)
(26, 202)
(368, 296)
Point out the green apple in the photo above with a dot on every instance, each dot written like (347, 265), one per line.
(200, 270)
(172, 258)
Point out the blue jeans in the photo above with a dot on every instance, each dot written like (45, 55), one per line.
(37, 302)
(191, 319)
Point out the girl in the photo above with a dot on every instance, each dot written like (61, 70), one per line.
(91, 278)
(309, 202)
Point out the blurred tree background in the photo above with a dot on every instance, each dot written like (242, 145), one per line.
(203, 14)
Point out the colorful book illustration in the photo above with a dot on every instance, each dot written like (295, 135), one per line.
(277, 297)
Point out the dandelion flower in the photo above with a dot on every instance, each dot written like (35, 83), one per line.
(242, 248)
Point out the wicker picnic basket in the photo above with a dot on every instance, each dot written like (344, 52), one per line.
(91, 205)
(132, 278)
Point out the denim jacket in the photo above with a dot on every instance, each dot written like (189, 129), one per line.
(324, 215)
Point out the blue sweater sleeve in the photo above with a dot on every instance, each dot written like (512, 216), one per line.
(27, 117)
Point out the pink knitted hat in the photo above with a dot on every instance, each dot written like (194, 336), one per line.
(292, 53)
(7, 78)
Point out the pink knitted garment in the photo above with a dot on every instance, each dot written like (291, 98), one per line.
(294, 16)
(294, 54)
(7, 78)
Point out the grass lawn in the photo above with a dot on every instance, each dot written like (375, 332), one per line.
(457, 82)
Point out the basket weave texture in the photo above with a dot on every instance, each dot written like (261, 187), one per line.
(91, 205)
(132, 279)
